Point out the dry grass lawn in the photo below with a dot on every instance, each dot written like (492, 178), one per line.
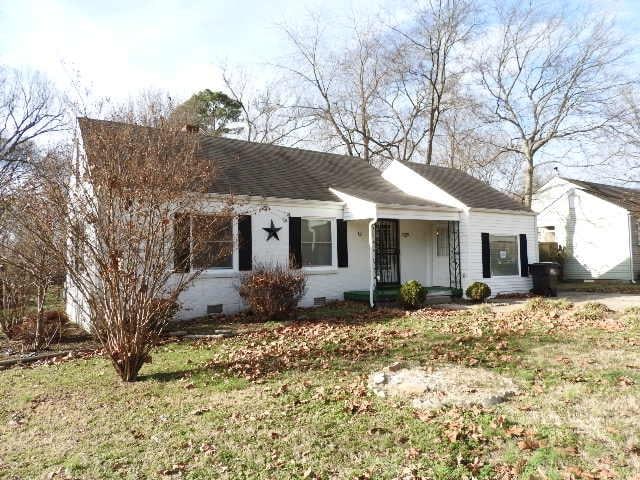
(289, 400)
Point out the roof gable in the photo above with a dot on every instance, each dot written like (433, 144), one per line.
(627, 198)
(468, 190)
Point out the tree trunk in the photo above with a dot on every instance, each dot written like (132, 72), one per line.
(128, 366)
(432, 134)
(528, 180)
(38, 340)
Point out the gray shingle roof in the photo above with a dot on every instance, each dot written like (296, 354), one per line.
(469, 190)
(258, 169)
(247, 168)
(627, 198)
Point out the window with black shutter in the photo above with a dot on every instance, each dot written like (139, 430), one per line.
(245, 249)
(295, 242)
(486, 256)
(343, 250)
(524, 257)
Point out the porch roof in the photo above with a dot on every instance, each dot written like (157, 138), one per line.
(388, 198)
(361, 205)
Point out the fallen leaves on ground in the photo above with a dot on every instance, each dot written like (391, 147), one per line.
(305, 344)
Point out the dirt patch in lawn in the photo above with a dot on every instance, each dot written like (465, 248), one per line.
(445, 386)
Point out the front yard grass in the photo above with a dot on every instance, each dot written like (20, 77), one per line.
(600, 287)
(289, 400)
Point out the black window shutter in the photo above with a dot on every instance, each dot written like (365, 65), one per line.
(295, 239)
(343, 252)
(486, 256)
(245, 252)
(524, 256)
(181, 243)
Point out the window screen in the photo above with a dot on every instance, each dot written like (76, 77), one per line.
(212, 242)
(316, 242)
(504, 255)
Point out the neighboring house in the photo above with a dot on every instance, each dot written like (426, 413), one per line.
(354, 229)
(596, 224)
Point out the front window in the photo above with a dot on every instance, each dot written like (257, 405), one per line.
(504, 255)
(316, 242)
(212, 242)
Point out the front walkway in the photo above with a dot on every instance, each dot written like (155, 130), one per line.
(615, 301)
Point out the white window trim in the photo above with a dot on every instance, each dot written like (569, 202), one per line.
(219, 272)
(320, 269)
(517, 237)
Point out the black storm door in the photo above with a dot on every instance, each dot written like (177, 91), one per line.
(387, 252)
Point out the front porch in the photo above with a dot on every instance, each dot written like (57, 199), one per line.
(401, 250)
(390, 294)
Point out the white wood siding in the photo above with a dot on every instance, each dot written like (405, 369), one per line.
(594, 232)
(472, 225)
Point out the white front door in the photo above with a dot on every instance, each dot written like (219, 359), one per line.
(440, 255)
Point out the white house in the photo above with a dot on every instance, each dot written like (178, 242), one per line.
(354, 229)
(597, 225)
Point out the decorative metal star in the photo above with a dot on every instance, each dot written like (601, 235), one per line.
(272, 231)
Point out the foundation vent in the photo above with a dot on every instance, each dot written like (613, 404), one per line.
(319, 301)
(213, 309)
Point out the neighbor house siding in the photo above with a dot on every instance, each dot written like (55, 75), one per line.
(635, 247)
(594, 232)
(472, 225)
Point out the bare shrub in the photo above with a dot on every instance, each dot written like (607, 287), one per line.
(137, 185)
(140, 186)
(25, 330)
(14, 295)
(272, 291)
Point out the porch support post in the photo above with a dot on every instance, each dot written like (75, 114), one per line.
(372, 263)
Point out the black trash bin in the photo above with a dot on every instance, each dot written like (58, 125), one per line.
(545, 278)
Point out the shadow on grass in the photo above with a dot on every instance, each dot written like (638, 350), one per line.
(172, 376)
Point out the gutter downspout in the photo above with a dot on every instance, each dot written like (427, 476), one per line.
(630, 218)
(372, 266)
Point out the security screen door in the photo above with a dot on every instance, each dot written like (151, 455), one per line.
(387, 252)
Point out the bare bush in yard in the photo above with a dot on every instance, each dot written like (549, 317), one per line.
(272, 291)
(15, 293)
(44, 328)
(130, 224)
(128, 212)
(28, 269)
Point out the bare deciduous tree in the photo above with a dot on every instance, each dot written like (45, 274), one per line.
(547, 79)
(30, 269)
(431, 44)
(127, 215)
(268, 114)
(345, 91)
(29, 107)
(138, 184)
